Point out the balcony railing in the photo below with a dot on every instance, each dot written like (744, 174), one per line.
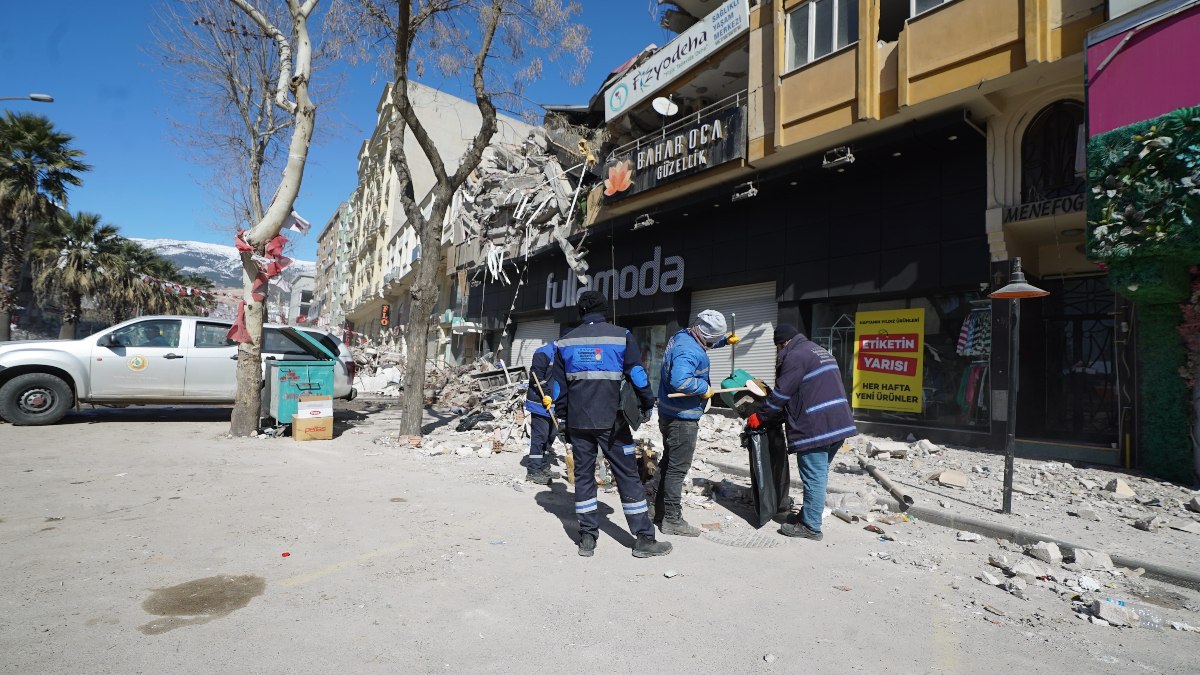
(731, 101)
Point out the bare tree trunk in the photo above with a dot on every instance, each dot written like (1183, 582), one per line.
(12, 258)
(1196, 425)
(247, 403)
(424, 294)
(5, 325)
(70, 317)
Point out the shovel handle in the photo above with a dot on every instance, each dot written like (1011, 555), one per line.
(680, 394)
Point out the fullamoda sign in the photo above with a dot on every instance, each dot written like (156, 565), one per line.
(656, 275)
(888, 349)
(710, 141)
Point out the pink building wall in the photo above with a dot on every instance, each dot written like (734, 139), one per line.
(1156, 72)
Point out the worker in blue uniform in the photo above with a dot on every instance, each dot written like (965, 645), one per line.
(590, 364)
(538, 402)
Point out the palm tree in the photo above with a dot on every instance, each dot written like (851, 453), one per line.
(72, 256)
(128, 294)
(37, 165)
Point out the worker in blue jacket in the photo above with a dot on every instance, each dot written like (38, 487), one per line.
(590, 363)
(684, 370)
(541, 428)
(810, 398)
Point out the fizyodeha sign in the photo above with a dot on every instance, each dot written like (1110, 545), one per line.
(689, 48)
(888, 360)
(710, 141)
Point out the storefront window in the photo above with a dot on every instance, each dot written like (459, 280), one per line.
(653, 342)
(956, 365)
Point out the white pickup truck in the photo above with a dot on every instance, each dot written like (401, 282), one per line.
(148, 360)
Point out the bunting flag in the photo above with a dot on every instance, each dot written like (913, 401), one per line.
(297, 224)
(275, 262)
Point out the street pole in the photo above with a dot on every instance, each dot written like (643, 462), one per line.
(1013, 292)
(39, 98)
(1014, 382)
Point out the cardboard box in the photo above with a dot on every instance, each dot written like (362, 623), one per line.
(313, 407)
(312, 428)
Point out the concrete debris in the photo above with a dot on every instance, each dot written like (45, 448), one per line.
(670, 574)
(1180, 625)
(1016, 586)
(988, 579)
(1085, 513)
(1155, 522)
(1120, 489)
(1194, 505)
(1098, 621)
(769, 658)
(1031, 570)
(953, 478)
(1046, 551)
(1001, 561)
(1113, 613)
(963, 535)
(1088, 584)
(1191, 526)
(1024, 489)
(887, 449)
(1092, 560)
(924, 448)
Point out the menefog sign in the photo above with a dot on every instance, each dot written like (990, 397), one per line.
(710, 141)
(657, 275)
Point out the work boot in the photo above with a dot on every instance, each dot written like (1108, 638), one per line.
(786, 505)
(541, 476)
(673, 523)
(800, 530)
(587, 545)
(646, 547)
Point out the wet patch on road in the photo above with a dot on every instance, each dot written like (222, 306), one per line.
(200, 601)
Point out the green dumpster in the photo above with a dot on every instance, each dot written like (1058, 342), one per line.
(288, 380)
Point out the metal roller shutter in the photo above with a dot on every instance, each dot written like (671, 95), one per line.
(531, 335)
(757, 313)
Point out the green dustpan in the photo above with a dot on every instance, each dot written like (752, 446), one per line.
(737, 379)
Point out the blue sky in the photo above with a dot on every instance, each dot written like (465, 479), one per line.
(109, 94)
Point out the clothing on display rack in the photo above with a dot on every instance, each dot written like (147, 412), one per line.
(975, 338)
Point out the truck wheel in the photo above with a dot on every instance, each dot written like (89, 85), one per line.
(35, 399)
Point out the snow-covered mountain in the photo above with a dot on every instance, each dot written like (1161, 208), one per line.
(217, 262)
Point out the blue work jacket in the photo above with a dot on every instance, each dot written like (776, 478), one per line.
(590, 363)
(543, 359)
(809, 393)
(684, 370)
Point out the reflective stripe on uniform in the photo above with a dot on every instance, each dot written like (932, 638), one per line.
(635, 507)
(590, 341)
(629, 449)
(818, 371)
(595, 375)
(801, 442)
(826, 404)
(586, 506)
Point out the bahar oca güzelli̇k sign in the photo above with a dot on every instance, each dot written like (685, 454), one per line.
(705, 38)
(888, 361)
(712, 140)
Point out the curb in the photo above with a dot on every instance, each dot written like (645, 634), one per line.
(1165, 573)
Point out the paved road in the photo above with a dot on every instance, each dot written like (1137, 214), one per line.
(136, 543)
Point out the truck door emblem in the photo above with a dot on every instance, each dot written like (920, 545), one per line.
(138, 363)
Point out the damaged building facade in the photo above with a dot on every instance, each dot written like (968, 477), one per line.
(806, 161)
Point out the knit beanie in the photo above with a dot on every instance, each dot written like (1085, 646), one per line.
(591, 302)
(710, 324)
(785, 332)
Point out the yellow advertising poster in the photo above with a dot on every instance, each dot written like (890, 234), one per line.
(888, 354)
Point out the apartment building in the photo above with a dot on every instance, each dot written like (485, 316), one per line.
(809, 161)
(369, 247)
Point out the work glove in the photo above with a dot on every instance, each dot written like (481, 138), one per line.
(646, 414)
(754, 422)
(708, 394)
(546, 402)
(733, 339)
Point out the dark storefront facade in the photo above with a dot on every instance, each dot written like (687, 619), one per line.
(901, 227)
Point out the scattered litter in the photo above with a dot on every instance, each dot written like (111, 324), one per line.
(769, 658)
(285, 554)
(963, 535)
(670, 574)
(874, 528)
(843, 587)
(471, 421)
(498, 542)
(1088, 584)
(711, 527)
(995, 611)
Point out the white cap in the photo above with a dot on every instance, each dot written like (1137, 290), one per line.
(710, 324)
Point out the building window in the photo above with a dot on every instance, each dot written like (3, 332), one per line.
(819, 28)
(919, 6)
(1052, 153)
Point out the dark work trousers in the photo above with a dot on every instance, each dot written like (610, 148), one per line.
(617, 446)
(679, 446)
(541, 442)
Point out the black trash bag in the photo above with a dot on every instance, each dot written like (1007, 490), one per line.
(770, 473)
(468, 423)
(631, 407)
